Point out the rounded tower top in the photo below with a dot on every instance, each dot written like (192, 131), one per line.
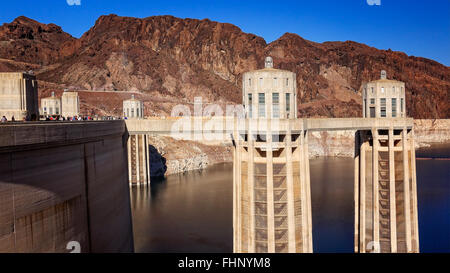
(269, 93)
(268, 62)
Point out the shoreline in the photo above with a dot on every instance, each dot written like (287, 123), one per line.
(171, 156)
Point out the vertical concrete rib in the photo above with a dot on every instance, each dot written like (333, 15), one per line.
(144, 159)
(375, 182)
(392, 199)
(270, 193)
(147, 152)
(356, 190)
(239, 186)
(129, 159)
(308, 195)
(290, 191)
(235, 196)
(23, 94)
(138, 178)
(415, 241)
(362, 200)
(406, 192)
(251, 189)
(304, 206)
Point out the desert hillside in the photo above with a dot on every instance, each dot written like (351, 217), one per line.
(167, 60)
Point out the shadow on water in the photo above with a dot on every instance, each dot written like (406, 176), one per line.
(158, 165)
(159, 185)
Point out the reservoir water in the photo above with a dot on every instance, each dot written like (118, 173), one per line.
(192, 212)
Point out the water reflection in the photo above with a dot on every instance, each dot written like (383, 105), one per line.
(332, 204)
(185, 213)
(193, 212)
(433, 190)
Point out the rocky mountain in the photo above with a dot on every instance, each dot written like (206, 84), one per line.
(168, 60)
(28, 41)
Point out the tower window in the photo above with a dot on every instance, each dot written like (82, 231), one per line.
(288, 102)
(287, 81)
(382, 90)
(401, 105)
(394, 107)
(383, 107)
(250, 82)
(276, 98)
(365, 107)
(372, 112)
(250, 105)
(262, 105)
(276, 105)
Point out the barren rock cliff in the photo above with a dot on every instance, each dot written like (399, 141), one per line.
(171, 60)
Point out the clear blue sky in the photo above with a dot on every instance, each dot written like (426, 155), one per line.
(416, 27)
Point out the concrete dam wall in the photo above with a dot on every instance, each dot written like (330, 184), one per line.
(64, 182)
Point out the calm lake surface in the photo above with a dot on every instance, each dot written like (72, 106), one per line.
(192, 212)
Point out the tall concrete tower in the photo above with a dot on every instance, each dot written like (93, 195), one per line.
(133, 108)
(386, 217)
(271, 198)
(70, 103)
(51, 106)
(384, 98)
(18, 96)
